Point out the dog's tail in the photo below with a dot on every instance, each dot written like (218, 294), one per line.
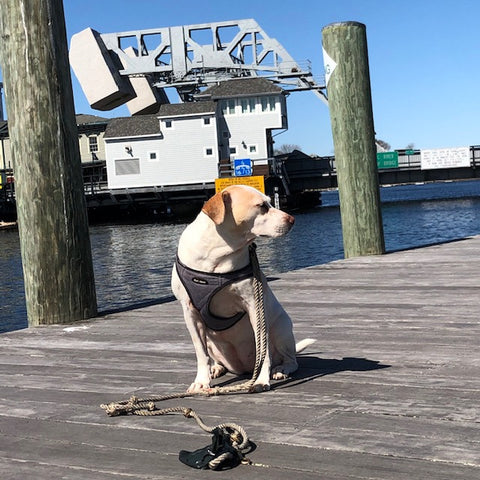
(303, 344)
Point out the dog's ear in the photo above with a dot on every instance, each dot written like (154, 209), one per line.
(216, 207)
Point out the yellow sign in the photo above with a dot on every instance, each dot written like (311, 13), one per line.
(257, 182)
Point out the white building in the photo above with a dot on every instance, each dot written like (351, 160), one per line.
(184, 144)
(156, 150)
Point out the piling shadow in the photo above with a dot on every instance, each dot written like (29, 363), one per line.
(431, 244)
(136, 306)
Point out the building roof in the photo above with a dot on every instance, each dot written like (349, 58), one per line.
(135, 126)
(186, 108)
(85, 123)
(241, 87)
(83, 119)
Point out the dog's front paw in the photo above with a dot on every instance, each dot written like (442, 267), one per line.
(196, 387)
(282, 372)
(217, 370)
(259, 387)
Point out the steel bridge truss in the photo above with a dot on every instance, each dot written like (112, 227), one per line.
(191, 57)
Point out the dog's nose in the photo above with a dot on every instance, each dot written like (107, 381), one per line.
(290, 219)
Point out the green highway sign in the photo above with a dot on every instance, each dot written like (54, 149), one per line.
(387, 159)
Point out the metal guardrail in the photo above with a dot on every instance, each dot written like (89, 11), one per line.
(411, 159)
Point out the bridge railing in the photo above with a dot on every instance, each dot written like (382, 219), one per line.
(410, 159)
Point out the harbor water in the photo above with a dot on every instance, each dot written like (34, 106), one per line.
(133, 262)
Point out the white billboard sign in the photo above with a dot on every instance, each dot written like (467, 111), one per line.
(445, 158)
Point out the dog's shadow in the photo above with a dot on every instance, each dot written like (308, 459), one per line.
(311, 367)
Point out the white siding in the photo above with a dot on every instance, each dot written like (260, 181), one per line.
(183, 149)
(180, 155)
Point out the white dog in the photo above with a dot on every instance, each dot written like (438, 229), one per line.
(212, 279)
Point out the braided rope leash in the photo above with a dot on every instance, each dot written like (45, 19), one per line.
(238, 436)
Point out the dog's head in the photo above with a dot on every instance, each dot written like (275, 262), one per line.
(247, 211)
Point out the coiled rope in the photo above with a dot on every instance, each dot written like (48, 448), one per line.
(238, 437)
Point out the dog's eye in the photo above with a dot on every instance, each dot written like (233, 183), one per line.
(264, 207)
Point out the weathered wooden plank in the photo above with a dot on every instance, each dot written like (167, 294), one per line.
(13, 469)
(159, 460)
(77, 445)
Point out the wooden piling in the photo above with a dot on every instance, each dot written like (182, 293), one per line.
(349, 99)
(52, 219)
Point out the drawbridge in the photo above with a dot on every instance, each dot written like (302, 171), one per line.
(135, 67)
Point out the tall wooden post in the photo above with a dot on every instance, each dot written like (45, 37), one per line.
(52, 220)
(350, 103)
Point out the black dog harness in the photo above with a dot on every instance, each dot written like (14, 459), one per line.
(202, 286)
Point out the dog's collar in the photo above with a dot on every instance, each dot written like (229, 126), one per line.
(202, 286)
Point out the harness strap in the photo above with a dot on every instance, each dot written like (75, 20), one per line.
(202, 286)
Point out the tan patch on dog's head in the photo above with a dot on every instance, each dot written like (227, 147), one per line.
(215, 208)
(233, 202)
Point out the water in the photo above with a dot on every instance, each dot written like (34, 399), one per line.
(133, 262)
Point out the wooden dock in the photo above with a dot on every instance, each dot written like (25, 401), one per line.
(390, 390)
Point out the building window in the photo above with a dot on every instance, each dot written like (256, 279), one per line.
(208, 151)
(248, 105)
(93, 147)
(252, 149)
(153, 156)
(232, 150)
(228, 107)
(93, 144)
(268, 104)
(168, 124)
(206, 120)
(264, 102)
(273, 103)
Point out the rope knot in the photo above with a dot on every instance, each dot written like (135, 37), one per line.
(236, 438)
(114, 409)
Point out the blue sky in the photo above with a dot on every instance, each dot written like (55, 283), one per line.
(423, 54)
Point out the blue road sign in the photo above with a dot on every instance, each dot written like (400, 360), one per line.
(242, 167)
